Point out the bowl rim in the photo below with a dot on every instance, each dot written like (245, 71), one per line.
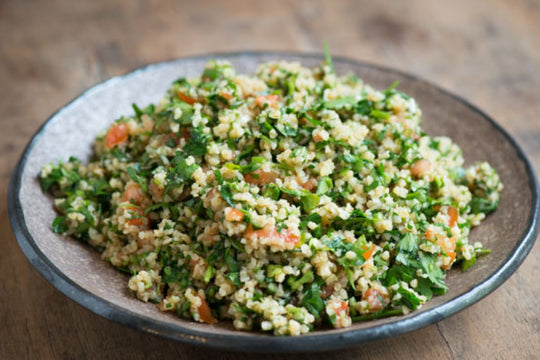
(317, 341)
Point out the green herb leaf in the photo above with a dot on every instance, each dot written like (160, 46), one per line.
(324, 186)
(272, 191)
(380, 114)
(390, 89)
(227, 193)
(481, 205)
(60, 225)
(434, 273)
(295, 284)
(409, 299)
(312, 300)
(219, 176)
(255, 164)
(230, 261)
(187, 112)
(336, 104)
(138, 112)
(363, 107)
(327, 57)
(172, 274)
(196, 145)
(309, 201)
(140, 180)
(209, 274)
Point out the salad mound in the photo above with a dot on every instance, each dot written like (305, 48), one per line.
(281, 201)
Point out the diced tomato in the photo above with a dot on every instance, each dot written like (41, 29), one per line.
(271, 100)
(184, 134)
(453, 214)
(226, 95)
(133, 194)
(420, 167)
(156, 190)
(376, 299)
(250, 232)
(117, 134)
(317, 138)
(430, 235)
(289, 237)
(261, 233)
(197, 266)
(186, 98)
(342, 307)
(327, 290)
(270, 233)
(310, 184)
(259, 177)
(205, 315)
(192, 263)
(137, 216)
(232, 214)
(452, 256)
(369, 253)
(447, 245)
(339, 313)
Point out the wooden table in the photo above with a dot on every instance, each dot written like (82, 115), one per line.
(50, 51)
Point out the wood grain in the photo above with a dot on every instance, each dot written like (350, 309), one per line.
(486, 51)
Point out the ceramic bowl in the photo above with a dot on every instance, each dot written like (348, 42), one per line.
(77, 270)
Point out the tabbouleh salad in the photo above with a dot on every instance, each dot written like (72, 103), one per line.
(283, 201)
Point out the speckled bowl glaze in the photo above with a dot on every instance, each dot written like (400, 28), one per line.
(77, 270)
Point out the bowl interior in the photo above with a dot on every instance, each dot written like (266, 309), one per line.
(72, 130)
